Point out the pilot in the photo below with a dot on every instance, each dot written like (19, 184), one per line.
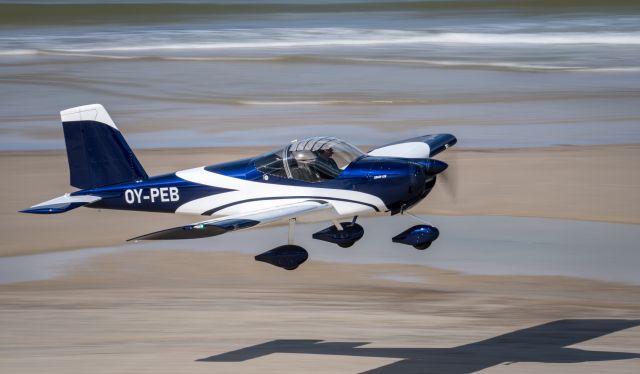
(325, 165)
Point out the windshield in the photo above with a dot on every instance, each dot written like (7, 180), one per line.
(311, 159)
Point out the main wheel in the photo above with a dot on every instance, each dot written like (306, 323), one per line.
(287, 257)
(346, 244)
(422, 246)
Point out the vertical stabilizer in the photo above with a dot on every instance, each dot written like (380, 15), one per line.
(97, 152)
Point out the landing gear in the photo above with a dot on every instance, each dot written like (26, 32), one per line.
(288, 256)
(418, 236)
(344, 234)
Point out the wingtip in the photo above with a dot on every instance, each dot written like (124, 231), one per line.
(136, 239)
(43, 210)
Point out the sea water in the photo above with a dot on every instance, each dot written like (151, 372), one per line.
(475, 245)
(218, 73)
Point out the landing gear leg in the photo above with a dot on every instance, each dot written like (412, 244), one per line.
(351, 243)
(292, 231)
(288, 256)
(421, 220)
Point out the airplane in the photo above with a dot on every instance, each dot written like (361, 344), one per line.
(309, 180)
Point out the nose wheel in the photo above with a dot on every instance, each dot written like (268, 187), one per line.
(419, 236)
(423, 246)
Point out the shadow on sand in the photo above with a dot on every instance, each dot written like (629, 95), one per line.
(543, 343)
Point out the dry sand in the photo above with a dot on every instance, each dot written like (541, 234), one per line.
(598, 183)
(156, 311)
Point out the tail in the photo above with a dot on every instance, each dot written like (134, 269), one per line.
(97, 153)
(98, 156)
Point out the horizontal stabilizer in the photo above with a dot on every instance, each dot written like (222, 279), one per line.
(61, 204)
(221, 225)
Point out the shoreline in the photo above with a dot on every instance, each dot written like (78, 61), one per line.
(483, 246)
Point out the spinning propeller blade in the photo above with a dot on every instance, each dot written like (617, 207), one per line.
(449, 178)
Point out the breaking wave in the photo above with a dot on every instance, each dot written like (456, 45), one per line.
(301, 59)
(330, 37)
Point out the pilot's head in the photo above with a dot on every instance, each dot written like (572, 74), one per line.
(327, 152)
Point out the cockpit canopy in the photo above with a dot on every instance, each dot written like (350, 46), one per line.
(312, 159)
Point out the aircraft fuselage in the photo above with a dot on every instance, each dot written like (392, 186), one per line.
(370, 185)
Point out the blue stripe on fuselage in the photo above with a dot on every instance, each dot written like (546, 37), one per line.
(163, 193)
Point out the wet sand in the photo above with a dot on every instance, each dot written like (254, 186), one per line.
(593, 183)
(162, 311)
(470, 244)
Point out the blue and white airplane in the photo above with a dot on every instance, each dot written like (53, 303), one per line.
(308, 180)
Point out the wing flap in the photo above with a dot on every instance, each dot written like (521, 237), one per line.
(222, 225)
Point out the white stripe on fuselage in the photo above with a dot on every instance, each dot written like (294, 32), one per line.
(268, 195)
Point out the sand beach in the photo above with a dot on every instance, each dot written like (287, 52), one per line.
(536, 266)
(157, 309)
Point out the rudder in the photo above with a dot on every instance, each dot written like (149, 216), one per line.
(97, 153)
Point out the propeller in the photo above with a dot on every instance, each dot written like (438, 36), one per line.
(449, 177)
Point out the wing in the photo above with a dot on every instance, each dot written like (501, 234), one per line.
(221, 225)
(418, 147)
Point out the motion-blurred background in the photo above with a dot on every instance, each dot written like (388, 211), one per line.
(497, 73)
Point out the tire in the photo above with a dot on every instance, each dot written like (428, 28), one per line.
(422, 246)
(346, 245)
